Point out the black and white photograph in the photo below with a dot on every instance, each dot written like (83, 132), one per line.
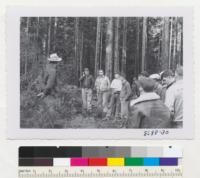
(101, 72)
(121, 72)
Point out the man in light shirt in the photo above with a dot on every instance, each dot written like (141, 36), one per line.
(102, 85)
(114, 106)
(174, 99)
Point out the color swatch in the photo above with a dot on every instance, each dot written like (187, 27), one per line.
(99, 156)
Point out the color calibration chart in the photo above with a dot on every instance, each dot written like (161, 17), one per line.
(106, 162)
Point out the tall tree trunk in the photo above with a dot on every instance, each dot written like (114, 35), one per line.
(109, 47)
(170, 41)
(179, 40)
(76, 47)
(116, 47)
(81, 55)
(26, 52)
(97, 51)
(101, 47)
(165, 44)
(55, 32)
(137, 58)
(174, 42)
(49, 37)
(124, 47)
(144, 43)
(38, 26)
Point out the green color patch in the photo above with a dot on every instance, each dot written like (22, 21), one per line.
(134, 161)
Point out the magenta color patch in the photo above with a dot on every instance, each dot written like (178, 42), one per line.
(79, 161)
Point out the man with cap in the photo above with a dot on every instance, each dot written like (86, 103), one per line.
(158, 88)
(174, 99)
(49, 79)
(87, 85)
(148, 111)
(102, 86)
(114, 105)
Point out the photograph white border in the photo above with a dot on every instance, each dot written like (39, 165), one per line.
(13, 74)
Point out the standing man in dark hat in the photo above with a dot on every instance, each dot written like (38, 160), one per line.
(87, 84)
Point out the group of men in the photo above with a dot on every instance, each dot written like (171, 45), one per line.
(154, 101)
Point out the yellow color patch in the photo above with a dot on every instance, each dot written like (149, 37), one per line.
(115, 161)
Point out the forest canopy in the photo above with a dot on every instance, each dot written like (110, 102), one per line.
(125, 44)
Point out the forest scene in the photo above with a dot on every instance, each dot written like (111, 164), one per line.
(125, 45)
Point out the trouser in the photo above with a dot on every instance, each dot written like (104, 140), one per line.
(87, 98)
(102, 101)
(124, 109)
(114, 106)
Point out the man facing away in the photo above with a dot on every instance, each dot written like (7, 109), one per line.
(102, 85)
(49, 81)
(125, 95)
(114, 106)
(87, 84)
(174, 99)
(148, 111)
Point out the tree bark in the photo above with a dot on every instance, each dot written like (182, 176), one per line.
(97, 51)
(137, 57)
(165, 44)
(76, 47)
(55, 32)
(124, 47)
(116, 47)
(170, 41)
(109, 47)
(81, 55)
(144, 44)
(49, 37)
(26, 52)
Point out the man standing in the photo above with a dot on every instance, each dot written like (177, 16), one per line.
(174, 99)
(102, 85)
(49, 80)
(124, 98)
(148, 111)
(158, 88)
(114, 106)
(168, 80)
(87, 84)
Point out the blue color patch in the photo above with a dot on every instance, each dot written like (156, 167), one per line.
(151, 161)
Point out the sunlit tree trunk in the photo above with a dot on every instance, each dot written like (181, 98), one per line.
(109, 47)
(76, 48)
(124, 47)
(116, 47)
(144, 43)
(165, 44)
(98, 41)
(170, 41)
(137, 58)
(55, 32)
(49, 37)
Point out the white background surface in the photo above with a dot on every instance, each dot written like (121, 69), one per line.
(9, 148)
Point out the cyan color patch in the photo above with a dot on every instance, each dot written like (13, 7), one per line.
(151, 162)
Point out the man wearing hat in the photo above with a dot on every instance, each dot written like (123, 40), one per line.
(87, 85)
(49, 80)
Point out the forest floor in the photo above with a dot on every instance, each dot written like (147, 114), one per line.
(62, 111)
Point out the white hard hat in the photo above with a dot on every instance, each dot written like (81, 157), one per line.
(54, 58)
(155, 76)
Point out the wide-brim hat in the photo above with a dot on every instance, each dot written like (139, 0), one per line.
(54, 58)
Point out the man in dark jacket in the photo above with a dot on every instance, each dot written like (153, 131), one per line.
(87, 85)
(49, 80)
(148, 111)
(124, 98)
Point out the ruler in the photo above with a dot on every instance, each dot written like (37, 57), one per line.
(101, 172)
